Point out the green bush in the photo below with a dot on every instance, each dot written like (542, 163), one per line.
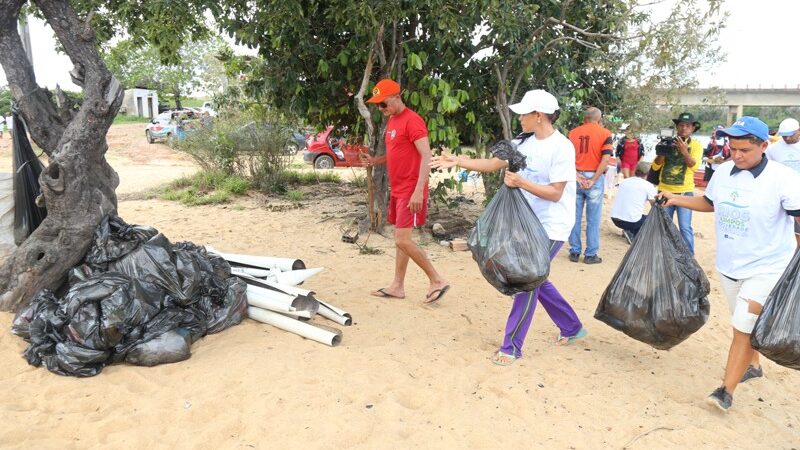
(204, 188)
(295, 196)
(252, 147)
(312, 177)
(359, 180)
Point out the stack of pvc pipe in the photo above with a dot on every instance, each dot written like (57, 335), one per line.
(274, 298)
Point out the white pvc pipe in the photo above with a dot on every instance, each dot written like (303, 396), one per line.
(256, 299)
(252, 272)
(291, 290)
(330, 314)
(335, 314)
(283, 302)
(294, 277)
(332, 338)
(265, 262)
(300, 315)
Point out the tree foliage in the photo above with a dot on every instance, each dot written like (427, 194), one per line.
(461, 62)
(140, 66)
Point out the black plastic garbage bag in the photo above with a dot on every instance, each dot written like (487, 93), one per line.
(27, 168)
(659, 294)
(776, 334)
(109, 310)
(114, 239)
(172, 346)
(507, 151)
(137, 299)
(510, 245)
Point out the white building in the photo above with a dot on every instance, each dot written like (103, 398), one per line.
(140, 102)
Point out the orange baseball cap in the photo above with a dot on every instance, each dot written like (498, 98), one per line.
(385, 88)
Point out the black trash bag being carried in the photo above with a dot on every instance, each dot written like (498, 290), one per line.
(776, 334)
(27, 168)
(508, 242)
(659, 294)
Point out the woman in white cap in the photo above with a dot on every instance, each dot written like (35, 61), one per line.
(548, 184)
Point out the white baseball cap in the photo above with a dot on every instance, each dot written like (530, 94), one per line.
(536, 100)
(788, 127)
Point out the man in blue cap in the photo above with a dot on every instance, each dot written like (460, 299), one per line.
(755, 202)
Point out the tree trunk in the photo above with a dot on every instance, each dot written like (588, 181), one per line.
(78, 184)
(380, 182)
(177, 96)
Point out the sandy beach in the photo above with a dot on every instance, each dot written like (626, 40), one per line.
(406, 375)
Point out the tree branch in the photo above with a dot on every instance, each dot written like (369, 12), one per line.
(32, 101)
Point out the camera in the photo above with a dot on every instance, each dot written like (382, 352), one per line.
(666, 141)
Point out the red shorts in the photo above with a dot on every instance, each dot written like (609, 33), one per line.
(401, 217)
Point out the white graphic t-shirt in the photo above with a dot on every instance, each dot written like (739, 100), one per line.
(755, 235)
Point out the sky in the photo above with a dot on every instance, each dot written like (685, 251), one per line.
(759, 39)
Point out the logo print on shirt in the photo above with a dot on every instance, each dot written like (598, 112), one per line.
(392, 134)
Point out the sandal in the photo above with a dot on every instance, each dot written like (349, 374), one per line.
(564, 341)
(503, 359)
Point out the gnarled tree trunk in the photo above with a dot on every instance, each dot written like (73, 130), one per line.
(78, 184)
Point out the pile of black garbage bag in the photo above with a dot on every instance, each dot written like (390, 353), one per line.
(135, 298)
(508, 242)
(776, 334)
(659, 294)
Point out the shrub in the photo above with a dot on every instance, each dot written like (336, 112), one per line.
(205, 187)
(253, 148)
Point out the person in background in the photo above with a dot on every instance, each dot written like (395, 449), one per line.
(717, 152)
(407, 160)
(754, 201)
(593, 148)
(676, 171)
(627, 212)
(548, 184)
(629, 151)
(773, 136)
(787, 152)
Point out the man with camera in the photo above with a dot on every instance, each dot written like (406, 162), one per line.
(678, 157)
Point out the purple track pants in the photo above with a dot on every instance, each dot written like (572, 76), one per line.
(524, 304)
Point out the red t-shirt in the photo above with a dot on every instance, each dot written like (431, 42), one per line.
(402, 157)
(591, 142)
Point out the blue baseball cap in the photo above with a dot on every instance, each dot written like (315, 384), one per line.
(747, 125)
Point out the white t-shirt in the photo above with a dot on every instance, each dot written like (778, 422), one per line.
(755, 235)
(786, 154)
(551, 160)
(632, 194)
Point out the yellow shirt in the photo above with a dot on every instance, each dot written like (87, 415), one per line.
(675, 176)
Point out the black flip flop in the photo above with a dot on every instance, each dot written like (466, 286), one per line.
(384, 294)
(439, 293)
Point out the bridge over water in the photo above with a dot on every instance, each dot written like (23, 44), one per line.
(736, 98)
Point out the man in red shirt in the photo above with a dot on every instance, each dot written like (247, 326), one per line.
(592, 145)
(408, 157)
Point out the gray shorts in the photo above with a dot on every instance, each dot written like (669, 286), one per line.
(796, 227)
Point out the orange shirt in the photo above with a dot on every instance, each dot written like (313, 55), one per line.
(591, 142)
